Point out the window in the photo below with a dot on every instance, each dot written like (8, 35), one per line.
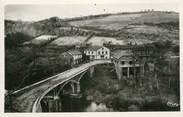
(102, 52)
(122, 62)
(106, 52)
(98, 52)
(92, 52)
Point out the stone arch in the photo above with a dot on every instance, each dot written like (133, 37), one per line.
(81, 76)
(69, 84)
(75, 83)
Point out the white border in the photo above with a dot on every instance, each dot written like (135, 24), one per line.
(88, 114)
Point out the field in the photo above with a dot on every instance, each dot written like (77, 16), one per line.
(100, 40)
(110, 22)
(69, 40)
(146, 29)
(119, 21)
(148, 33)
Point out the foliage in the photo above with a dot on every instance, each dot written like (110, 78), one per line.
(166, 25)
(15, 39)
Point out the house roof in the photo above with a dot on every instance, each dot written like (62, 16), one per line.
(93, 48)
(74, 52)
(45, 37)
(67, 55)
(120, 53)
(40, 39)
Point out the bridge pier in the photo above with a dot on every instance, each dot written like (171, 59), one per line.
(78, 87)
(91, 71)
(39, 108)
(51, 102)
(73, 87)
(118, 71)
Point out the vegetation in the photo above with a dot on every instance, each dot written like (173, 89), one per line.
(87, 17)
(24, 65)
(104, 88)
(166, 25)
(15, 39)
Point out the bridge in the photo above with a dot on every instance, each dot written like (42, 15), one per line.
(28, 99)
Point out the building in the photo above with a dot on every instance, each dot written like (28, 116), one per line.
(66, 58)
(97, 52)
(143, 52)
(126, 64)
(72, 57)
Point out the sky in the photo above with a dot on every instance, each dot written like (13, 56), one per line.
(33, 12)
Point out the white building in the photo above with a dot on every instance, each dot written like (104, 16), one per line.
(97, 52)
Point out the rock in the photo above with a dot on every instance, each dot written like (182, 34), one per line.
(133, 108)
(89, 98)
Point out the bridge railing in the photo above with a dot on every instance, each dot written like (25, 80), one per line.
(40, 82)
(55, 76)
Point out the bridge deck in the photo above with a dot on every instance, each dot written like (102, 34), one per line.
(23, 99)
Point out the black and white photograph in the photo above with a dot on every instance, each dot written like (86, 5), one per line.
(93, 57)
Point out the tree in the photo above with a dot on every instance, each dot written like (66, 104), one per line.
(15, 39)
(176, 49)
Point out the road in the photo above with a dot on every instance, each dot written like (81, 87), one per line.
(24, 99)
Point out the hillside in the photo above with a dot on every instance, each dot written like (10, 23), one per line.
(47, 26)
(142, 26)
(119, 21)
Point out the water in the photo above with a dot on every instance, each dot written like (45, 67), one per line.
(73, 104)
(82, 105)
(94, 107)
